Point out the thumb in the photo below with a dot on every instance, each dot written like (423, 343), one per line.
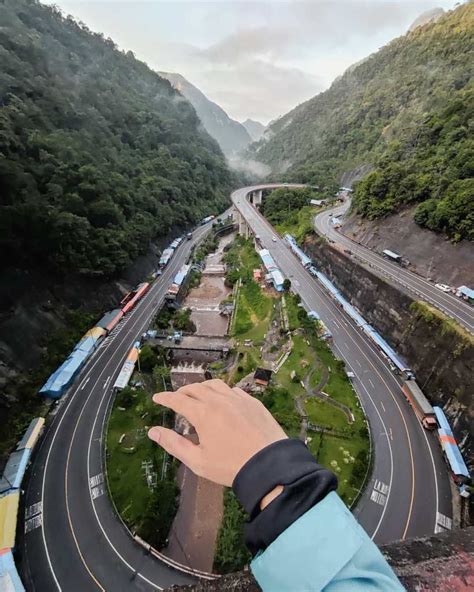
(176, 445)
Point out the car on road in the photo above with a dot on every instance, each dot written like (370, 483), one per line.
(443, 287)
(274, 239)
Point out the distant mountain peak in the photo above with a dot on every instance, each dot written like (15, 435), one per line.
(231, 135)
(429, 16)
(254, 128)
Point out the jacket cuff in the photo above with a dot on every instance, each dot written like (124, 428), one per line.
(305, 483)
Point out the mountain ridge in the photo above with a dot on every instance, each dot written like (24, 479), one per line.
(405, 110)
(254, 128)
(231, 135)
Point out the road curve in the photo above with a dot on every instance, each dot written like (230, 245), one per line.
(409, 484)
(81, 544)
(408, 281)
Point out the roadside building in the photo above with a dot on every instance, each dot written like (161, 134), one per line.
(465, 293)
(262, 376)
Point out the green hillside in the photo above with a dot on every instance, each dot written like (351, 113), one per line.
(98, 154)
(408, 111)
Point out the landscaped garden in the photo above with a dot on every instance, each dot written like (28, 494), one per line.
(141, 476)
(310, 395)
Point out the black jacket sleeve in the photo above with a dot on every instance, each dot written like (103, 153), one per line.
(305, 483)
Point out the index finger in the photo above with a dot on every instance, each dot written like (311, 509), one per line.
(179, 403)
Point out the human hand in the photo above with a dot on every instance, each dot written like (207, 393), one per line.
(232, 427)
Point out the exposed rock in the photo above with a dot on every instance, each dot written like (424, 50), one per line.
(442, 359)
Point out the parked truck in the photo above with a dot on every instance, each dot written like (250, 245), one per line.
(420, 404)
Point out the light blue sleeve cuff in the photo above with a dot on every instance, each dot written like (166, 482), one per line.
(325, 548)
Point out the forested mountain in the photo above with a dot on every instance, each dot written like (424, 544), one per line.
(229, 134)
(99, 154)
(254, 128)
(408, 111)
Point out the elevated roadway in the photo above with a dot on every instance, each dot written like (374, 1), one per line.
(409, 492)
(74, 541)
(415, 285)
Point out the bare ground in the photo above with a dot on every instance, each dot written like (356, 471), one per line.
(431, 255)
(193, 535)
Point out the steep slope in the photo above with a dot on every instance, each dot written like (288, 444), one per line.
(99, 154)
(99, 158)
(426, 17)
(229, 134)
(406, 110)
(254, 128)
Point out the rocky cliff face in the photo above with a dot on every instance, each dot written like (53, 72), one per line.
(41, 318)
(430, 254)
(441, 356)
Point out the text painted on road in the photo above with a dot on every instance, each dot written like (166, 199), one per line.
(443, 522)
(379, 493)
(33, 516)
(96, 485)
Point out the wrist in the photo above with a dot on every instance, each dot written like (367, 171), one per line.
(270, 496)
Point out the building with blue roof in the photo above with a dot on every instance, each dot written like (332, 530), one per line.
(277, 279)
(466, 293)
(15, 470)
(9, 578)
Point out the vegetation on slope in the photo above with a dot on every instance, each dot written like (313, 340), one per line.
(99, 155)
(407, 110)
(231, 135)
(338, 443)
(288, 210)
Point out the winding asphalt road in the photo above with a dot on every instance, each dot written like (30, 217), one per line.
(410, 282)
(73, 540)
(409, 487)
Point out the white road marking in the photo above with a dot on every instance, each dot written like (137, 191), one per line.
(371, 383)
(360, 365)
(84, 385)
(391, 434)
(96, 480)
(381, 487)
(443, 522)
(378, 498)
(97, 491)
(382, 405)
(106, 383)
(33, 510)
(33, 523)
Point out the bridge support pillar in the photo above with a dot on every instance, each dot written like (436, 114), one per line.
(257, 197)
(244, 229)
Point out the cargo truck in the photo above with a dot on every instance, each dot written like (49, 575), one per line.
(420, 404)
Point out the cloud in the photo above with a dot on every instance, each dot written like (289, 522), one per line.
(250, 43)
(255, 58)
(260, 89)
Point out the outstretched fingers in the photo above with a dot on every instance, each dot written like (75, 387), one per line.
(176, 445)
(181, 404)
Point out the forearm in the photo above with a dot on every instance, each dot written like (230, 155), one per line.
(305, 538)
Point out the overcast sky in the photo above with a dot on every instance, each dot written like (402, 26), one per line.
(255, 59)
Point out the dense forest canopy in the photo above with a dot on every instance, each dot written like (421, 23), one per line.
(407, 110)
(98, 154)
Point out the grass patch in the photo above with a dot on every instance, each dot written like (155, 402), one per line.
(445, 325)
(147, 511)
(345, 454)
(231, 552)
(299, 223)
